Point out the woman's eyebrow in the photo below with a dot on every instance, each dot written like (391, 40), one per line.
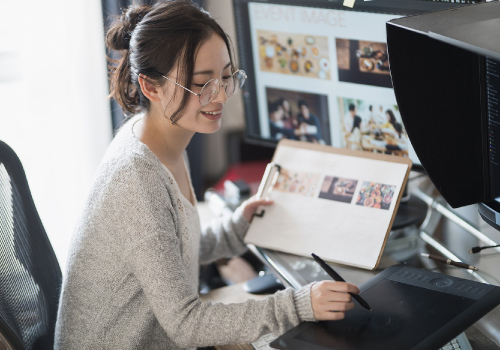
(209, 72)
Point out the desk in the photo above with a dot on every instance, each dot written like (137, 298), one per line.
(430, 236)
(230, 295)
(295, 271)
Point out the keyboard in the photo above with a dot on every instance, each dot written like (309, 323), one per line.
(459, 343)
(263, 342)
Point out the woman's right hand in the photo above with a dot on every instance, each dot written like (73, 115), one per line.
(330, 299)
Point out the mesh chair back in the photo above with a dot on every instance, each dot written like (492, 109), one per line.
(30, 277)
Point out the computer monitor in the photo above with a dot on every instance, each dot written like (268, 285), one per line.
(445, 68)
(318, 71)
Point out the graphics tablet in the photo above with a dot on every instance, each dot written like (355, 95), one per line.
(412, 309)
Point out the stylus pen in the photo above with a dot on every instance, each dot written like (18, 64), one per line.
(450, 262)
(337, 278)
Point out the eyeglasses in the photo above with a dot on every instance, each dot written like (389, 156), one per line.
(211, 89)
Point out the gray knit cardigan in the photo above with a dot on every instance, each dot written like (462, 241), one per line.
(132, 274)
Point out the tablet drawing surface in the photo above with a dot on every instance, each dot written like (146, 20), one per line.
(412, 309)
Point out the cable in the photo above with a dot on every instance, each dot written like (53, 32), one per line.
(475, 250)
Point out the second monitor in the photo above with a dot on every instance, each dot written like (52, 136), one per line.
(319, 72)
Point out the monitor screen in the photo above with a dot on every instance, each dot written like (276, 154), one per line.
(492, 87)
(318, 71)
(492, 102)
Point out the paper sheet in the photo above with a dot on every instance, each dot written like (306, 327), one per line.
(349, 3)
(338, 207)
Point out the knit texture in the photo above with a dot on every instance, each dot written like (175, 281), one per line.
(132, 275)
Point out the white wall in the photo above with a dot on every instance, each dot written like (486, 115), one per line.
(54, 112)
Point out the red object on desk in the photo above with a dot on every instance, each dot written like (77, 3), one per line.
(250, 172)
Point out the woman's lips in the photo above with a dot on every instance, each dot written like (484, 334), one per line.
(212, 115)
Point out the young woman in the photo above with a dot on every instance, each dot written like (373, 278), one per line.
(132, 273)
(391, 120)
(289, 119)
(354, 138)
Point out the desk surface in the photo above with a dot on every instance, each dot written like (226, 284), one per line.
(230, 295)
(296, 271)
(439, 234)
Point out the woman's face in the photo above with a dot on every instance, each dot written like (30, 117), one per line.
(212, 62)
(277, 116)
(286, 105)
(305, 111)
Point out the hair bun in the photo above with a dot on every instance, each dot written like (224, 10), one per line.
(120, 31)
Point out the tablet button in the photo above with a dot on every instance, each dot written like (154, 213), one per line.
(441, 282)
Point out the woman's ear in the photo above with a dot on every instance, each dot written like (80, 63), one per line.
(149, 89)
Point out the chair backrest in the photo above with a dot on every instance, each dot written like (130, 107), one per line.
(30, 277)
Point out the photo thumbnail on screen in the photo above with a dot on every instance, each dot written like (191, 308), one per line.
(363, 62)
(372, 126)
(294, 54)
(298, 116)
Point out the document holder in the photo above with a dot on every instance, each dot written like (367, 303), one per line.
(335, 202)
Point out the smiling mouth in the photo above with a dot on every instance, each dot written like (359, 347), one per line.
(214, 115)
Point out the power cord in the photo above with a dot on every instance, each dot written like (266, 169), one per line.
(475, 250)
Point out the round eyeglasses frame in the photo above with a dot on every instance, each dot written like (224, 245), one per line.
(218, 84)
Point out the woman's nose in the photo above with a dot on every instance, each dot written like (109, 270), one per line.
(221, 96)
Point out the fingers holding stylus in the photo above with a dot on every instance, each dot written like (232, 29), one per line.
(330, 300)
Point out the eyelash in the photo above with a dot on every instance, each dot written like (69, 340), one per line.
(202, 85)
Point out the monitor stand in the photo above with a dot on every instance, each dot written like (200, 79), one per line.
(410, 212)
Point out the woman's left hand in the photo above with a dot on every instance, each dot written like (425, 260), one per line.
(250, 205)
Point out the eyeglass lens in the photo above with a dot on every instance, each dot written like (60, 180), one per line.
(232, 86)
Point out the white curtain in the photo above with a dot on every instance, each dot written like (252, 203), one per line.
(53, 107)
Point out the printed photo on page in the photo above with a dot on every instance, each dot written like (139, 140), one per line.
(375, 195)
(338, 189)
(305, 184)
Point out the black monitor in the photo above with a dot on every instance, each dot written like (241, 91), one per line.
(445, 68)
(318, 71)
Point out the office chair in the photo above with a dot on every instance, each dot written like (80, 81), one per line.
(30, 277)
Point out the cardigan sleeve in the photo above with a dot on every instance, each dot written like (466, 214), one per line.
(153, 254)
(223, 237)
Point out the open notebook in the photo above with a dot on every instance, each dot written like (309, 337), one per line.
(337, 203)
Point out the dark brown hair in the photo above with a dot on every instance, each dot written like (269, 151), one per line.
(392, 118)
(153, 39)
